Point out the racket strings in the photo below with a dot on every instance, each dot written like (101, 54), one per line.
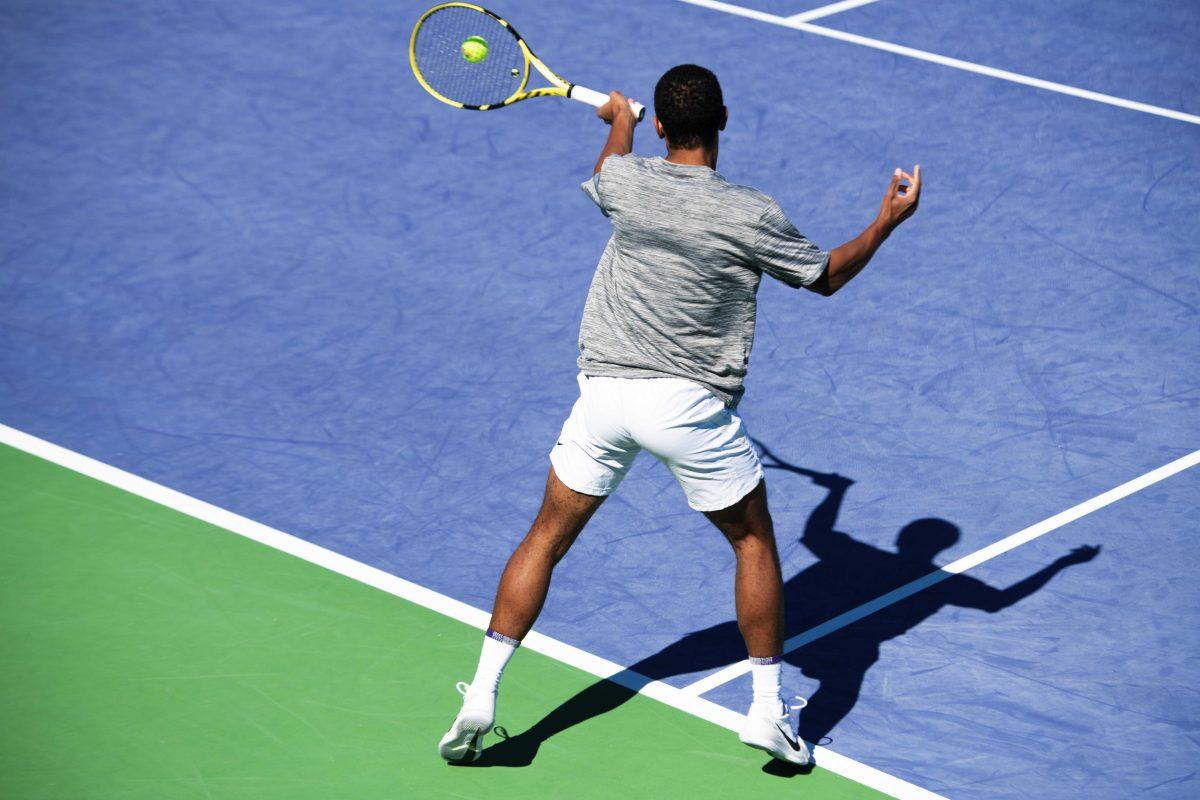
(440, 61)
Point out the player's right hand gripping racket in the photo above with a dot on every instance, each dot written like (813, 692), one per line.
(468, 57)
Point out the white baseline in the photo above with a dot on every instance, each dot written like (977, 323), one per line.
(435, 601)
(829, 10)
(945, 61)
(963, 564)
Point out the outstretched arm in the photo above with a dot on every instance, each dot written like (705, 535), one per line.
(847, 260)
(819, 535)
(618, 114)
(992, 600)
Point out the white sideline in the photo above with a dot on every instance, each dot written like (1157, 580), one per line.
(829, 10)
(435, 601)
(963, 564)
(945, 61)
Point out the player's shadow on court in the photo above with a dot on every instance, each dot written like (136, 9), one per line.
(847, 574)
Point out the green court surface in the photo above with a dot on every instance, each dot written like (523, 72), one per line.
(147, 654)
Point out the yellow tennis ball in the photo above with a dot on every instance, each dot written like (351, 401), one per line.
(475, 49)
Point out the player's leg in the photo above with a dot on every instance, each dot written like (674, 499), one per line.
(519, 600)
(758, 597)
(589, 461)
(526, 578)
(705, 445)
(758, 581)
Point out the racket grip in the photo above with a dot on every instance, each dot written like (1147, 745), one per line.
(597, 99)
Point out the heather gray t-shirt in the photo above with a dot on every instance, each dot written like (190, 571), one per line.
(674, 294)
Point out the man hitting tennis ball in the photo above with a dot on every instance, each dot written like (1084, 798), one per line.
(663, 349)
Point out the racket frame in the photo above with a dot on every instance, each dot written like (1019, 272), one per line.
(560, 86)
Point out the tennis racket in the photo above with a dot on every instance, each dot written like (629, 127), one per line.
(468, 57)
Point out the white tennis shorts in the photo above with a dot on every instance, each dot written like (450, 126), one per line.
(681, 423)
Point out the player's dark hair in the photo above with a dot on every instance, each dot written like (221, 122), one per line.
(688, 103)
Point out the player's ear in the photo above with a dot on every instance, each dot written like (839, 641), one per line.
(724, 117)
(658, 128)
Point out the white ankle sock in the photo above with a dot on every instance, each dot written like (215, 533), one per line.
(493, 658)
(765, 674)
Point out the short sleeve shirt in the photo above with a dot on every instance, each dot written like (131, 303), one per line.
(674, 294)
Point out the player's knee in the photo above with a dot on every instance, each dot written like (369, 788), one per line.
(750, 537)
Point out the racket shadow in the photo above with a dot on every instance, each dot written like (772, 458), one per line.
(847, 574)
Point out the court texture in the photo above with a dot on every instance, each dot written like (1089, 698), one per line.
(284, 344)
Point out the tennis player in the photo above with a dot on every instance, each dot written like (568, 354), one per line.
(663, 349)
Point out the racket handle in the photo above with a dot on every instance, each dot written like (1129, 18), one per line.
(597, 99)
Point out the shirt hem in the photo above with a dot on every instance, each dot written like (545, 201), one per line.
(729, 398)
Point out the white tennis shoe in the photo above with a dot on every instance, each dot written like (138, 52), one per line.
(771, 730)
(464, 741)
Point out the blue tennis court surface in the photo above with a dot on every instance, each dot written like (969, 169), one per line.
(246, 256)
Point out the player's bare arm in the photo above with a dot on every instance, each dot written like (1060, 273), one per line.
(620, 117)
(847, 260)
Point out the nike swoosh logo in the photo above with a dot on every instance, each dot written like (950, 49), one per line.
(792, 743)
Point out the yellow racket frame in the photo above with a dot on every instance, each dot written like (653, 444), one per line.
(561, 88)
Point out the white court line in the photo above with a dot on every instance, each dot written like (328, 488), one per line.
(435, 601)
(829, 10)
(945, 61)
(963, 564)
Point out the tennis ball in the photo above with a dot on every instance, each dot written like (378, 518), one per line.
(475, 49)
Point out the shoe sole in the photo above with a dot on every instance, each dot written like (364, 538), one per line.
(462, 743)
(782, 753)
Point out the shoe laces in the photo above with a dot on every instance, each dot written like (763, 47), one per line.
(794, 723)
(788, 708)
(464, 688)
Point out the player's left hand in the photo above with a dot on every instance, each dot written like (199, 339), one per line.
(902, 199)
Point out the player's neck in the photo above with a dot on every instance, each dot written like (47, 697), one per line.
(701, 156)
